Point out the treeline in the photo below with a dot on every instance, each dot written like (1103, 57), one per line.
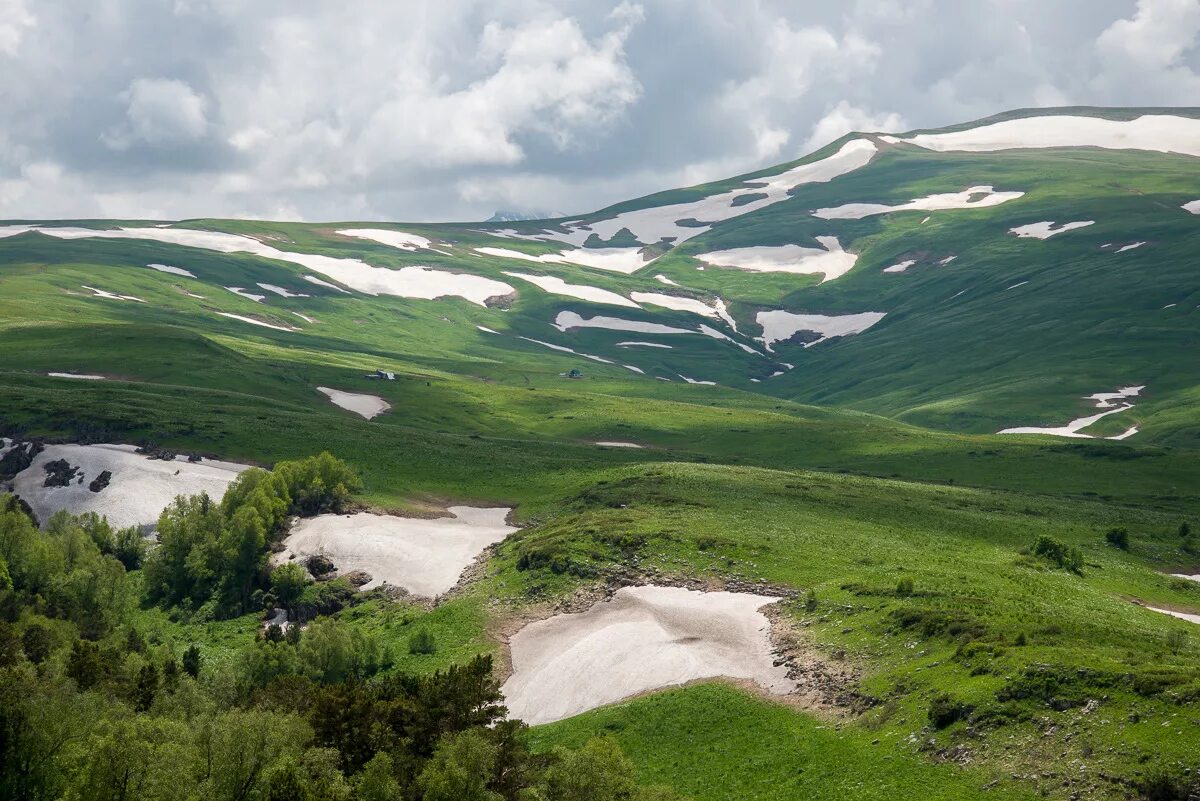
(92, 709)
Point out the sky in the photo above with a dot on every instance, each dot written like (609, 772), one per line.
(427, 110)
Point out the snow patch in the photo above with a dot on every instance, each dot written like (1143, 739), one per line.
(900, 267)
(557, 286)
(644, 638)
(1163, 133)
(829, 260)
(1047, 229)
(780, 325)
(166, 268)
(966, 199)
(367, 406)
(1101, 400)
(425, 557)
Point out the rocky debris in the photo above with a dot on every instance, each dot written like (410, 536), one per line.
(194, 457)
(101, 481)
(357, 578)
(60, 473)
(155, 452)
(19, 458)
(320, 566)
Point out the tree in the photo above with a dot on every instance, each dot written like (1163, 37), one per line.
(35, 642)
(459, 769)
(596, 772)
(84, 664)
(288, 582)
(1185, 530)
(146, 688)
(376, 781)
(191, 660)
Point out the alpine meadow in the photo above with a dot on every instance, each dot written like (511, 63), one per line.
(869, 475)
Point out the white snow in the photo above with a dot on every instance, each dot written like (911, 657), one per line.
(1191, 618)
(947, 260)
(662, 279)
(140, 488)
(676, 303)
(620, 260)
(1047, 228)
(1124, 248)
(487, 330)
(557, 286)
(166, 268)
(304, 317)
(1192, 206)
(367, 406)
(780, 325)
(282, 292)
(619, 445)
(1195, 577)
(651, 225)
(1163, 133)
(239, 291)
(408, 282)
(253, 321)
(829, 260)
(1101, 400)
(1014, 286)
(715, 334)
(312, 279)
(634, 369)
(643, 345)
(565, 349)
(900, 267)
(644, 638)
(694, 381)
(566, 320)
(425, 557)
(100, 293)
(396, 239)
(937, 202)
(891, 140)
(83, 376)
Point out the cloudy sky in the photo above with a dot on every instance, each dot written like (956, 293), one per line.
(450, 109)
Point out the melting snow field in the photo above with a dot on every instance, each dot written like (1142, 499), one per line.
(619, 445)
(975, 197)
(396, 239)
(900, 267)
(1047, 229)
(240, 292)
(1164, 133)
(643, 345)
(84, 376)
(557, 286)
(1131, 246)
(618, 260)
(166, 268)
(366, 405)
(1191, 618)
(261, 323)
(425, 557)
(678, 303)
(100, 293)
(780, 325)
(644, 638)
(408, 282)
(1192, 206)
(566, 320)
(140, 487)
(829, 260)
(1101, 400)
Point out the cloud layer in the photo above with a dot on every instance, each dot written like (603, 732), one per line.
(429, 110)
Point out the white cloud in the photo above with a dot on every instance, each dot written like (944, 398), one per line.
(844, 118)
(449, 109)
(15, 17)
(159, 112)
(1148, 50)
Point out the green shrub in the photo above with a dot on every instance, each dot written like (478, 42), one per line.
(945, 710)
(1119, 537)
(422, 642)
(1058, 553)
(904, 587)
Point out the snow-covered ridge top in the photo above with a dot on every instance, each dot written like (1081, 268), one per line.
(1163, 133)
